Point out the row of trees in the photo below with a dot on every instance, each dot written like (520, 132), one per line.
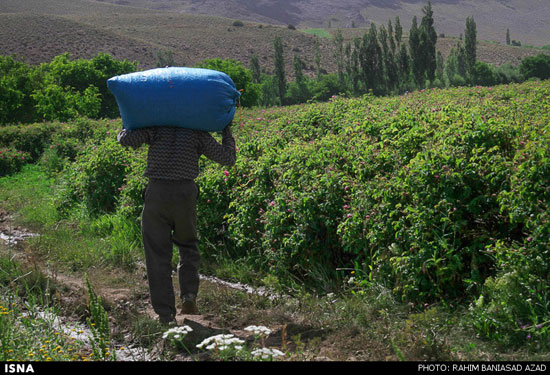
(384, 63)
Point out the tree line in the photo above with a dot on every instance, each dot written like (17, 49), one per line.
(382, 62)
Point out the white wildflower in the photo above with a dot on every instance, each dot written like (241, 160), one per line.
(221, 342)
(258, 330)
(177, 333)
(266, 353)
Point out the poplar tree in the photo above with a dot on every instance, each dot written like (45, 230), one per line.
(404, 64)
(298, 69)
(416, 53)
(385, 56)
(339, 56)
(398, 31)
(299, 91)
(355, 76)
(391, 38)
(470, 44)
(280, 68)
(349, 65)
(371, 60)
(255, 69)
(440, 67)
(317, 58)
(428, 42)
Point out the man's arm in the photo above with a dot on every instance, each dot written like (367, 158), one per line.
(221, 153)
(135, 138)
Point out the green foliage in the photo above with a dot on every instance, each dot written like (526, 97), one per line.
(411, 187)
(483, 74)
(17, 81)
(470, 45)
(536, 66)
(12, 160)
(437, 195)
(62, 139)
(279, 73)
(423, 191)
(79, 75)
(131, 194)
(96, 178)
(241, 76)
(60, 90)
(428, 40)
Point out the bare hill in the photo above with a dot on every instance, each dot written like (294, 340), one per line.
(36, 31)
(39, 38)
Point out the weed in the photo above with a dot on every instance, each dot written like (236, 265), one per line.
(99, 327)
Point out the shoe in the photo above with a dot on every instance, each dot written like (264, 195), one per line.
(189, 307)
(168, 321)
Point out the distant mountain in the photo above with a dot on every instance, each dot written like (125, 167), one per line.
(38, 30)
(528, 20)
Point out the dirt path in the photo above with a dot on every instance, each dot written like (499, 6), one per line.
(125, 298)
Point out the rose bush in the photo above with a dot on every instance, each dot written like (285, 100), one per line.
(438, 194)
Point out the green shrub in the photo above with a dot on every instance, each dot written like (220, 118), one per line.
(438, 195)
(130, 203)
(32, 138)
(62, 90)
(415, 188)
(241, 76)
(11, 160)
(17, 82)
(96, 178)
(536, 66)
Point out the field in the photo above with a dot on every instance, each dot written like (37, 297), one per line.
(405, 228)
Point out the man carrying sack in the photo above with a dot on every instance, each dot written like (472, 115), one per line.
(170, 208)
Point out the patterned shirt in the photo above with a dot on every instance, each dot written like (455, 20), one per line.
(174, 152)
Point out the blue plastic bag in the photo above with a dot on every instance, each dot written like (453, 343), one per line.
(193, 98)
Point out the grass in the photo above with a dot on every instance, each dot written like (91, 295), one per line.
(105, 240)
(28, 194)
(322, 33)
(28, 328)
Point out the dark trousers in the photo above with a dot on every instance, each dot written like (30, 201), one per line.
(169, 217)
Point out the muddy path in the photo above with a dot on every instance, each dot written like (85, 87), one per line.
(125, 298)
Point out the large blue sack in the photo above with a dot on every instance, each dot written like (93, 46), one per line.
(193, 98)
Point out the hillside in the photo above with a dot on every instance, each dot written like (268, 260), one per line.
(37, 30)
(51, 36)
(526, 19)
